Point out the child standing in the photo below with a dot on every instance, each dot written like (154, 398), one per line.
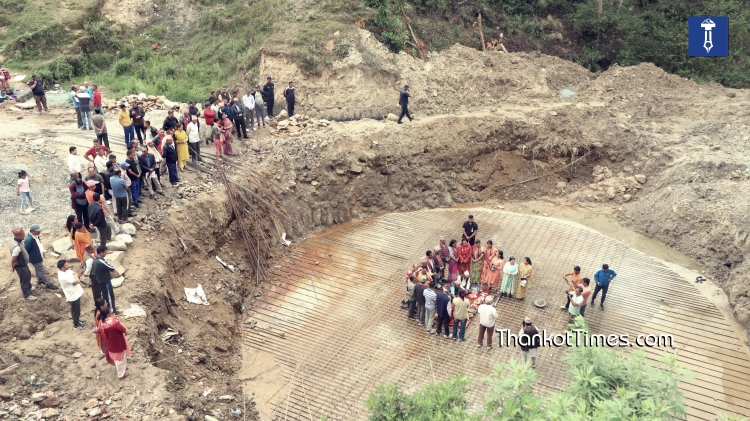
(23, 190)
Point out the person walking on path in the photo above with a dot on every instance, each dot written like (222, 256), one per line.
(238, 112)
(586, 293)
(530, 340)
(37, 89)
(576, 300)
(74, 98)
(118, 348)
(96, 99)
(248, 105)
(127, 125)
(487, 316)
(575, 280)
(84, 108)
(602, 278)
(268, 89)
(460, 315)
(470, 229)
(72, 290)
(194, 139)
(443, 308)
(169, 153)
(403, 101)
(430, 299)
(100, 127)
(260, 107)
(289, 99)
(23, 189)
(102, 271)
(19, 263)
(35, 250)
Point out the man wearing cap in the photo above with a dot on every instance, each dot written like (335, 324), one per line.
(35, 250)
(403, 101)
(120, 193)
(289, 99)
(37, 89)
(71, 287)
(127, 125)
(268, 89)
(260, 107)
(238, 112)
(19, 263)
(170, 122)
(73, 92)
(96, 216)
(248, 103)
(529, 340)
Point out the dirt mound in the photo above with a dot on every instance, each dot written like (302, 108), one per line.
(365, 84)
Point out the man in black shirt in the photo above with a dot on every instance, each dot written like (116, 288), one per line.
(107, 175)
(470, 230)
(211, 99)
(195, 112)
(403, 101)
(238, 112)
(37, 89)
(224, 95)
(171, 121)
(134, 173)
(419, 292)
(289, 98)
(529, 340)
(268, 89)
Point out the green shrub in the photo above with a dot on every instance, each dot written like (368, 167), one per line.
(122, 67)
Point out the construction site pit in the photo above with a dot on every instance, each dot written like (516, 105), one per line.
(329, 327)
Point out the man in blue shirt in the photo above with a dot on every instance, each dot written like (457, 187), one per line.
(602, 278)
(120, 192)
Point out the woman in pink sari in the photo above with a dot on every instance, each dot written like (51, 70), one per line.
(452, 261)
(226, 134)
(117, 344)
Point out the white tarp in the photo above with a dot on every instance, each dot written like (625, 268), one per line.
(196, 295)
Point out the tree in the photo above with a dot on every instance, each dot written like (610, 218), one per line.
(606, 385)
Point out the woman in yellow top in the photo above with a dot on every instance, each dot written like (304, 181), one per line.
(180, 139)
(524, 276)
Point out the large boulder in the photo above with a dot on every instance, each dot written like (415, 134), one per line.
(142, 97)
(116, 282)
(283, 115)
(128, 229)
(114, 256)
(62, 245)
(116, 245)
(125, 238)
(119, 270)
(391, 117)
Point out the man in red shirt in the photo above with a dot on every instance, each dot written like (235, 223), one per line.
(97, 98)
(209, 115)
(91, 153)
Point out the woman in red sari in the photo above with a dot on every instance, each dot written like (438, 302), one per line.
(464, 257)
(100, 304)
(117, 345)
(487, 275)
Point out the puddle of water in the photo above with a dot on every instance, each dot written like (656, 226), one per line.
(59, 99)
(566, 94)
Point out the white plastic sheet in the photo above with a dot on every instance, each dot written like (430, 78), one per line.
(196, 295)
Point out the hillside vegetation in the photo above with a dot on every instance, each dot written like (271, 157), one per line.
(204, 43)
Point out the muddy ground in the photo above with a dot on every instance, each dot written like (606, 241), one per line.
(661, 155)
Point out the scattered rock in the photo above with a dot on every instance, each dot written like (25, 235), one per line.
(626, 197)
(116, 245)
(77, 355)
(283, 125)
(92, 403)
(128, 229)
(391, 117)
(640, 178)
(94, 412)
(209, 418)
(4, 394)
(117, 282)
(283, 115)
(142, 97)
(62, 245)
(114, 256)
(38, 397)
(561, 184)
(50, 413)
(356, 169)
(611, 193)
(125, 238)
(70, 256)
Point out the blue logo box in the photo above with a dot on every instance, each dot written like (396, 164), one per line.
(708, 36)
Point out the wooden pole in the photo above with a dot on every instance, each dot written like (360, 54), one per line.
(481, 33)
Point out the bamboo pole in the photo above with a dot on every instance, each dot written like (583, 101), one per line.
(481, 33)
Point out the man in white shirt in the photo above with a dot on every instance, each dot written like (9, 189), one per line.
(74, 165)
(194, 139)
(71, 287)
(100, 162)
(487, 316)
(576, 300)
(248, 101)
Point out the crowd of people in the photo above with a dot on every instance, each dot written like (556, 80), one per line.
(453, 283)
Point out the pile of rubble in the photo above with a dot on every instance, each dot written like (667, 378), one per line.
(149, 102)
(610, 186)
(297, 123)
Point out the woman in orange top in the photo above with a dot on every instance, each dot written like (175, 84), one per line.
(487, 274)
(81, 237)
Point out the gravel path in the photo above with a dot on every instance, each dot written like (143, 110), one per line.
(48, 176)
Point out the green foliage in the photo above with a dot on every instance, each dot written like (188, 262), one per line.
(606, 385)
(390, 26)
